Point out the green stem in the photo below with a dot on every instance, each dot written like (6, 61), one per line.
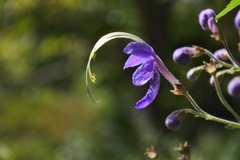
(206, 115)
(194, 104)
(222, 99)
(231, 57)
(219, 61)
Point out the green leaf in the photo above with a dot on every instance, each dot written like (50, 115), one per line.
(229, 7)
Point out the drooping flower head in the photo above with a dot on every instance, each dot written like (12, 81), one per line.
(150, 65)
(149, 70)
(143, 55)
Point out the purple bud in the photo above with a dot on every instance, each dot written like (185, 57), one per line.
(212, 25)
(234, 87)
(173, 122)
(183, 55)
(221, 54)
(237, 21)
(204, 17)
(194, 73)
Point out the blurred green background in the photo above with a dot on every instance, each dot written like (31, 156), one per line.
(45, 113)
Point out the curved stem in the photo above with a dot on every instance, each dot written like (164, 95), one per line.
(231, 58)
(203, 114)
(222, 99)
(99, 43)
(219, 61)
(194, 104)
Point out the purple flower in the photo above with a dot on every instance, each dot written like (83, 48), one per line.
(204, 17)
(173, 122)
(143, 55)
(234, 87)
(237, 21)
(148, 71)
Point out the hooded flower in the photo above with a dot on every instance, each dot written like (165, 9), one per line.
(143, 55)
(149, 70)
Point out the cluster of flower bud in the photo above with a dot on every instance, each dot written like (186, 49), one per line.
(183, 56)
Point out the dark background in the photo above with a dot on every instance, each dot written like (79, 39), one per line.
(44, 111)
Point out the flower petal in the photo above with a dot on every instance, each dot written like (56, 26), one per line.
(144, 73)
(139, 49)
(133, 61)
(152, 91)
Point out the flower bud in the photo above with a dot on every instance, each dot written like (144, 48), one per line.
(173, 122)
(194, 73)
(204, 16)
(237, 21)
(151, 153)
(221, 54)
(183, 55)
(217, 34)
(212, 25)
(234, 87)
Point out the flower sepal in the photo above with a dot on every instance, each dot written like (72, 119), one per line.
(218, 36)
(180, 113)
(179, 89)
(210, 67)
(198, 51)
(184, 149)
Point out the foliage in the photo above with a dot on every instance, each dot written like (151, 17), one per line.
(232, 4)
